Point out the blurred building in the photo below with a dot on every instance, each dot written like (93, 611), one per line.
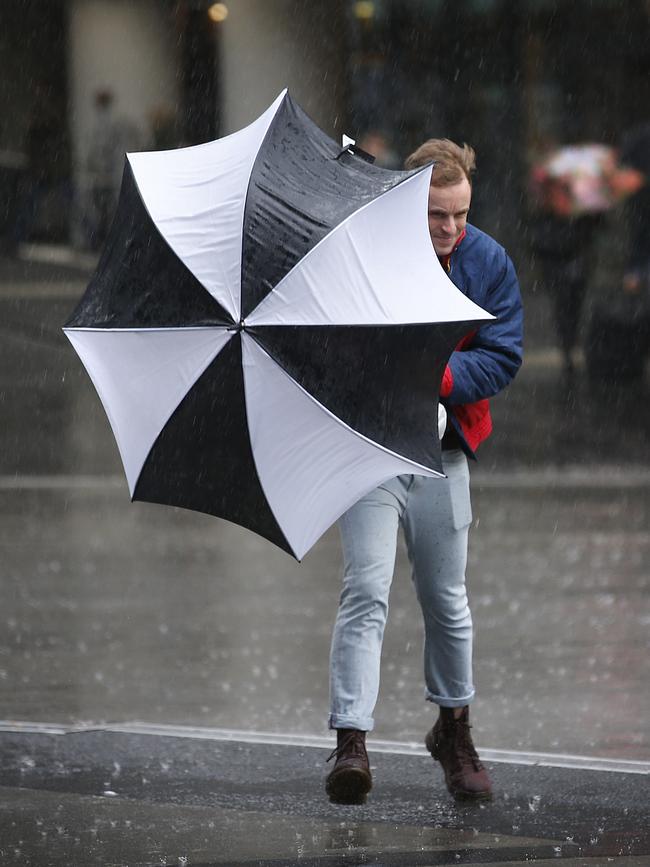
(509, 76)
(178, 71)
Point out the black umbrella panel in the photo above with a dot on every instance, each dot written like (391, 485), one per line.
(268, 326)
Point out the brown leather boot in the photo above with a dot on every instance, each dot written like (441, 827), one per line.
(350, 779)
(450, 742)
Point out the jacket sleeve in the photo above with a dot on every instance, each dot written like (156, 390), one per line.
(494, 354)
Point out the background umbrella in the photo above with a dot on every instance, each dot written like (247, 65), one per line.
(582, 179)
(268, 326)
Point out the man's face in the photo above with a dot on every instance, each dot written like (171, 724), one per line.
(448, 209)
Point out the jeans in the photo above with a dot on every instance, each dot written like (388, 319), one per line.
(435, 515)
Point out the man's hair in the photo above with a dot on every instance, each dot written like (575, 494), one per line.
(452, 162)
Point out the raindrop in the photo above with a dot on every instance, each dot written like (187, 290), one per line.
(27, 764)
(534, 802)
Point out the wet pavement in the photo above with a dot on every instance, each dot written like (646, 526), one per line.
(115, 614)
(109, 798)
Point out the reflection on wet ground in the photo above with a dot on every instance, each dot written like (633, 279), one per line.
(117, 612)
(199, 834)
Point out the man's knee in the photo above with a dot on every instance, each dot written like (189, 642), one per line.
(365, 593)
(448, 606)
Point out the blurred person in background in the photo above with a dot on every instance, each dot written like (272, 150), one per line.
(570, 192)
(110, 138)
(633, 181)
(618, 338)
(377, 145)
(435, 513)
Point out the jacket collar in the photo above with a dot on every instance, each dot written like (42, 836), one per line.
(444, 260)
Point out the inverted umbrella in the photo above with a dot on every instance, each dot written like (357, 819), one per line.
(268, 326)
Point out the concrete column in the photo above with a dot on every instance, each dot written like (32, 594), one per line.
(129, 48)
(266, 46)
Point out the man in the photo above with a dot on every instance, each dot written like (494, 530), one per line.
(435, 513)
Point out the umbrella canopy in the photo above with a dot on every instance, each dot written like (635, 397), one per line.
(268, 326)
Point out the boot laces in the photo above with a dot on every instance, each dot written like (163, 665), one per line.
(458, 733)
(352, 742)
(466, 749)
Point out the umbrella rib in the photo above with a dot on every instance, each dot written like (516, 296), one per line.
(144, 330)
(279, 102)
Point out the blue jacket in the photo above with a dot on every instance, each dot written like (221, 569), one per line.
(487, 359)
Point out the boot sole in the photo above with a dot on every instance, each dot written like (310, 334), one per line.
(460, 795)
(350, 786)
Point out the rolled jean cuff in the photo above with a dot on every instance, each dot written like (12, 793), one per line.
(443, 701)
(347, 722)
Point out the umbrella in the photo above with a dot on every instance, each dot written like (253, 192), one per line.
(267, 327)
(578, 179)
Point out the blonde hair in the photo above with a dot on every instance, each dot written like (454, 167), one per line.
(452, 162)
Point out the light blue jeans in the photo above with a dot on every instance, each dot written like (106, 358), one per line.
(435, 515)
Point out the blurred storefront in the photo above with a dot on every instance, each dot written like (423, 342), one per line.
(508, 76)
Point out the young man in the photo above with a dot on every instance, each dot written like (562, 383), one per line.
(435, 514)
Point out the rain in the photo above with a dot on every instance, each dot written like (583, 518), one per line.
(164, 672)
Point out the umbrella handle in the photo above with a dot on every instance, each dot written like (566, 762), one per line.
(356, 151)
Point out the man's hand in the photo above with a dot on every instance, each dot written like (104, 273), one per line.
(447, 382)
(442, 420)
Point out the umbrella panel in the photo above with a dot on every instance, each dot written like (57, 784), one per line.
(311, 464)
(381, 381)
(140, 282)
(202, 459)
(141, 375)
(298, 192)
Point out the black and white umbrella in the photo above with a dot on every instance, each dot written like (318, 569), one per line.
(268, 326)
